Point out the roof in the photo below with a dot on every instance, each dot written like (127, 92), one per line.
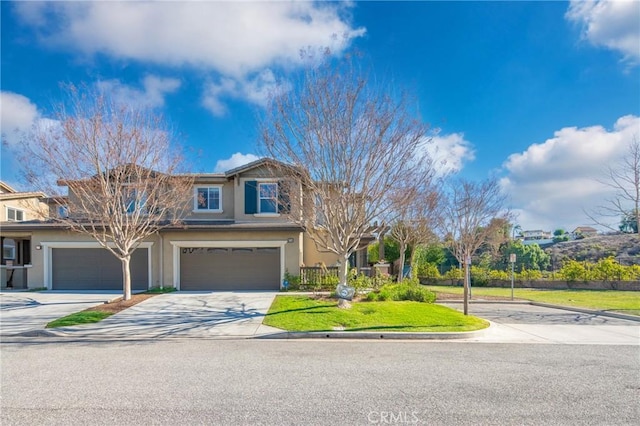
(21, 195)
(585, 229)
(186, 225)
(265, 161)
(4, 187)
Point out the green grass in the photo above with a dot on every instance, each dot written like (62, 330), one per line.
(627, 302)
(302, 313)
(158, 290)
(84, 317)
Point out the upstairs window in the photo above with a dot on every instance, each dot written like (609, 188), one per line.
(134, 200)
(14, 215)
(268, 197)
(208, 199)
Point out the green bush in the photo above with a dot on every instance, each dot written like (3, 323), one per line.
(406, 290)
(294, 281)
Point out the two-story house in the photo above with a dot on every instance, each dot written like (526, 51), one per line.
(235, 236)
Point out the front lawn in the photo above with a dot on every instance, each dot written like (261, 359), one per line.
(83, 317)
(303, 313)
(627, 302)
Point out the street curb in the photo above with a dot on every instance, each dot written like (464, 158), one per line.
(548, 305)
(381, 335)
(589, 311)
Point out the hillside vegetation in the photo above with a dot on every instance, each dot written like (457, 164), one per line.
(625, 248)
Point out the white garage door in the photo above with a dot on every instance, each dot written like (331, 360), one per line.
(214, 268)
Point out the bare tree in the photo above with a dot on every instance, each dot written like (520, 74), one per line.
(357, 143)
(417, 217)
(624, 179)
(468, 213)
(121, 169)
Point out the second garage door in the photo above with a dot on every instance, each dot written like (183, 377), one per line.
(224, 269)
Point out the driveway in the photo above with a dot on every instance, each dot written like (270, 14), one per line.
(524, 323)
(29, 312)
(186, 314)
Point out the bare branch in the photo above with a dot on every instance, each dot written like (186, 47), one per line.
(357, 144)
(120, 167)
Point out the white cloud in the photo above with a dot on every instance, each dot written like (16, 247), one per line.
(152, 95)
(612, 24)
(257, 90)
(551, 184)
(18, 115)
(233, 39)
(236, 160)
(450, 152)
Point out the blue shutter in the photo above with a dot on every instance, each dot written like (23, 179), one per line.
(250, 197)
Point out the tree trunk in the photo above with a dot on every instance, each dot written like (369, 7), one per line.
(403, 248)
(343, 273)
(343, 270)
(466, 288)
(126, 277)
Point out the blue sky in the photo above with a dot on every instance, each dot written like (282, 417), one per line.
(543, 94)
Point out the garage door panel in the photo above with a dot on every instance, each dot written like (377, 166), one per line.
(230, 269)
(96, 269)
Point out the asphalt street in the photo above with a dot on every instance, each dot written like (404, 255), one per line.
(315, 382)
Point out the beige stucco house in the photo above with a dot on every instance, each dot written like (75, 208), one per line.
(233, 238)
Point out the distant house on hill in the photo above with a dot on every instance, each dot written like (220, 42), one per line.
(536, 236)
(584, 232)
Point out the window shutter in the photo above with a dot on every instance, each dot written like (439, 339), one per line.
(284, 202)
(250, 197)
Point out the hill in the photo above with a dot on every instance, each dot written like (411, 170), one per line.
(624, 247)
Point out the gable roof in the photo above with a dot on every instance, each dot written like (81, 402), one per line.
(5, 188)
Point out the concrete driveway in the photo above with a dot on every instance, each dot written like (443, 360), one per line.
(185, 314)
(29, 312)
(525, 323)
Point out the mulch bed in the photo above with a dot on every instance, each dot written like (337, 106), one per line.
(120, 305)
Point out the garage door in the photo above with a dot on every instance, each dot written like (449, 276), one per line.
(230, 268)
(96, 269)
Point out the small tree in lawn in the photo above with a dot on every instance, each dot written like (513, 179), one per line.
(415, 221)
(356, 143)
(468, 211)
(121, 169)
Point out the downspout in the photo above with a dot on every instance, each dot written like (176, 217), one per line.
(161, 274)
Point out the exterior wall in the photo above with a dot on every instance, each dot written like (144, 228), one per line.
(314, 256)
(33, 208)
(170, 239)
(240, 216)
(228, 204)
(37, 273)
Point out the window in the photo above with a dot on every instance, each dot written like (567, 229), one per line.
(9, 249)
(268, 197)
(63, 211)
(208, 198)
(14, 215)
(134, 200)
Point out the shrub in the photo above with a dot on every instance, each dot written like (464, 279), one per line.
(294, 281)
(407, 290)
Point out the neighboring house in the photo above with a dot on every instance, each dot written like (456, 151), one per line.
(536, 236)
(237, 236)
(15, 207)
(584, 232)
